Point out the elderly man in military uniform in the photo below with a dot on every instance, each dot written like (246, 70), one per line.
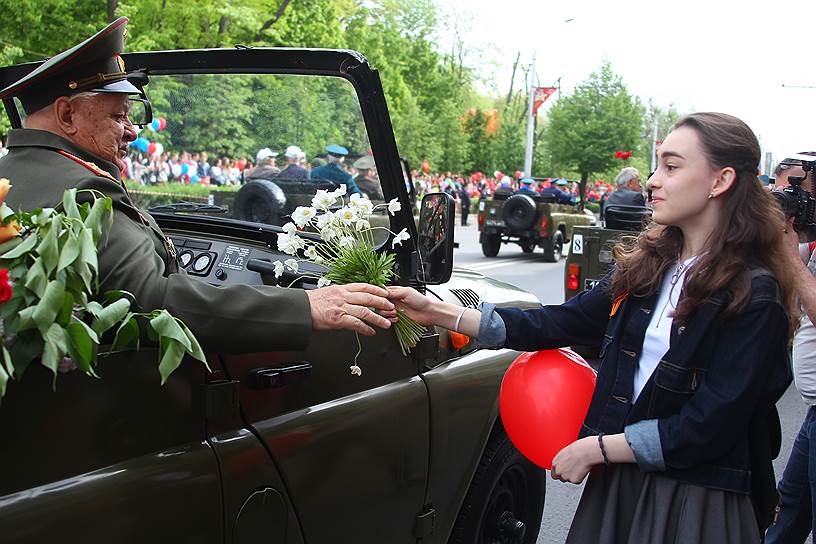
(333, 169)
(366, 178)
(76, 135)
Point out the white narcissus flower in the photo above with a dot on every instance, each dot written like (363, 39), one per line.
(292, 264)
(400, 238)
(324, 220)
(347, 242)
(356, 370)
(328, 234)
(278, 269)
(302, 215)
(290, 228)
(394, 206)
(365, 208)
(311, 253)
(340, 191)
(323, 199)
(323, 282)
(347, 215)
(290, 243)
(362, 224)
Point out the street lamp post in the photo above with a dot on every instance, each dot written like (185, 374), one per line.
(528, 150)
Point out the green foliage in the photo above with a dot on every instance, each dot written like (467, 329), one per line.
(52, 312)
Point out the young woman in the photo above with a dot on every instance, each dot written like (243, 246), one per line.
(693, 324)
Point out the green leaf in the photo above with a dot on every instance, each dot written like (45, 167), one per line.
(88, 250)
(65, 313)
(172, 353)
(110, 315)
(49, 246)
(195, 348)
(166, 325)
(94, 308)
(22, 248)
(5, 213)
(54, 348)
(69, 204)
(36, 278)
(82, 345)
(8, 245)
(49, 305)
(44, 216)
(69, 252)
(116, 294)
(4, 376)
(26, 347)
(94, 219)
(25, 320)
(127, 335)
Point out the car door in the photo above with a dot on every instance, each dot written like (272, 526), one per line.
(350, 452)
(118, 458)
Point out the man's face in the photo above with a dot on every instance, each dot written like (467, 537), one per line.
(103, 127)
(634, 184)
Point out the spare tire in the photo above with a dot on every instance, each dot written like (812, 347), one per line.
(519, 212)
(260, 201)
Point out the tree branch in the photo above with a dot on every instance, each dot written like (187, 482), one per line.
(273, 20)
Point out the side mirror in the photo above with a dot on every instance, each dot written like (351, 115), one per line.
(435, 241)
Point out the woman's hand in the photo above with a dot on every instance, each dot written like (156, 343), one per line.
(416, 305)
(574, 462)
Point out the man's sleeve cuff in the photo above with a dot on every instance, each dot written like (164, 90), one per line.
(644, 439)
(492, 333)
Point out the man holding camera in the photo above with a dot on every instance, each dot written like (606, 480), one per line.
(797, 488)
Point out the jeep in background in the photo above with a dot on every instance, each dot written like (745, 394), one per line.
(590, 252)
(529, 221)
(286, 446)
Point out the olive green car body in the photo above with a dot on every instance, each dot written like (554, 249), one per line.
(284, 447)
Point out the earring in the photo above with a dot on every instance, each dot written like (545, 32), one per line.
(710, 195)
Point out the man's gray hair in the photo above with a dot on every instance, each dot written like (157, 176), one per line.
(626, 175)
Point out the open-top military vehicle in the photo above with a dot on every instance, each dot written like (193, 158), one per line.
(590, 253)
(530, 221)
(283, 447)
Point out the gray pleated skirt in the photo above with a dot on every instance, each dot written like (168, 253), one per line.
(622, 505)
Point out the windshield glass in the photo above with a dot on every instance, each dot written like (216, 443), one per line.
(257, 146)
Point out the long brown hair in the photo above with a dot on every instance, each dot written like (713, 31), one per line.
(750, 231)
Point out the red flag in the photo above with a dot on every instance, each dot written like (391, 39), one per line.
(541, 94)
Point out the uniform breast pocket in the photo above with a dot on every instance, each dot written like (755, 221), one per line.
(677, 379)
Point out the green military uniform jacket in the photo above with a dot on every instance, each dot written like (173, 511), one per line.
(140, 259)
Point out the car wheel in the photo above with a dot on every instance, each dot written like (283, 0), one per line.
(527, 246)
(260, 201)
(553, 247)
(506, 498)
(491, 244)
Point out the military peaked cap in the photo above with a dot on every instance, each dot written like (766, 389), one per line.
(93, 65)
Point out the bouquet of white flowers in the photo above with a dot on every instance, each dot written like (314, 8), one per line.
(348, 250)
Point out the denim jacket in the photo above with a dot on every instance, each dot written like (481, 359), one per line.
(717, 375)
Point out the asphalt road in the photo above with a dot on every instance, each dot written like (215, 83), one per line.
(545, 280)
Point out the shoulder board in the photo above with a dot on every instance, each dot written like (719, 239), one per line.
(89, 165)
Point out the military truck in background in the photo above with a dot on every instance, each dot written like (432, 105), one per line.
(530, 221)
(590, 251)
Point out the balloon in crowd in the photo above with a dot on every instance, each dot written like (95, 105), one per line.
(141, 143)
(543, 401)
(158, 124)
(426, 166)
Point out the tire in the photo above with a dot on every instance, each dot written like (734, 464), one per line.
(527, 246)
(260, 201)
(553, 247)
(505, 500)
(519, 212)
(491, 244)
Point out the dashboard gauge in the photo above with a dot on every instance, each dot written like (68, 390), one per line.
(201, 262)
(184, 258)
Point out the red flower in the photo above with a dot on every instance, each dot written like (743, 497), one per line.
(5, 285)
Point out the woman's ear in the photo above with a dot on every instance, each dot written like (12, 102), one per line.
(723, 182)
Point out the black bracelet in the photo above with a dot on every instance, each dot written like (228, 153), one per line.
(603, 450)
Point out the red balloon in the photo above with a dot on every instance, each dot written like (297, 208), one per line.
(151, 148)
(543, 401)
(518, 174)
(426, 166)
(241, 164)
(162, 123)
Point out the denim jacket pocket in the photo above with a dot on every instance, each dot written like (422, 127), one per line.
(677, 379)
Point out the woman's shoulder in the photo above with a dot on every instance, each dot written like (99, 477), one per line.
(765, 286)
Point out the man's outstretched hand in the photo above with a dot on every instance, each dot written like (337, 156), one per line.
(351, 307)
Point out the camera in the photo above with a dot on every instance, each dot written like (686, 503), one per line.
(797, 202)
